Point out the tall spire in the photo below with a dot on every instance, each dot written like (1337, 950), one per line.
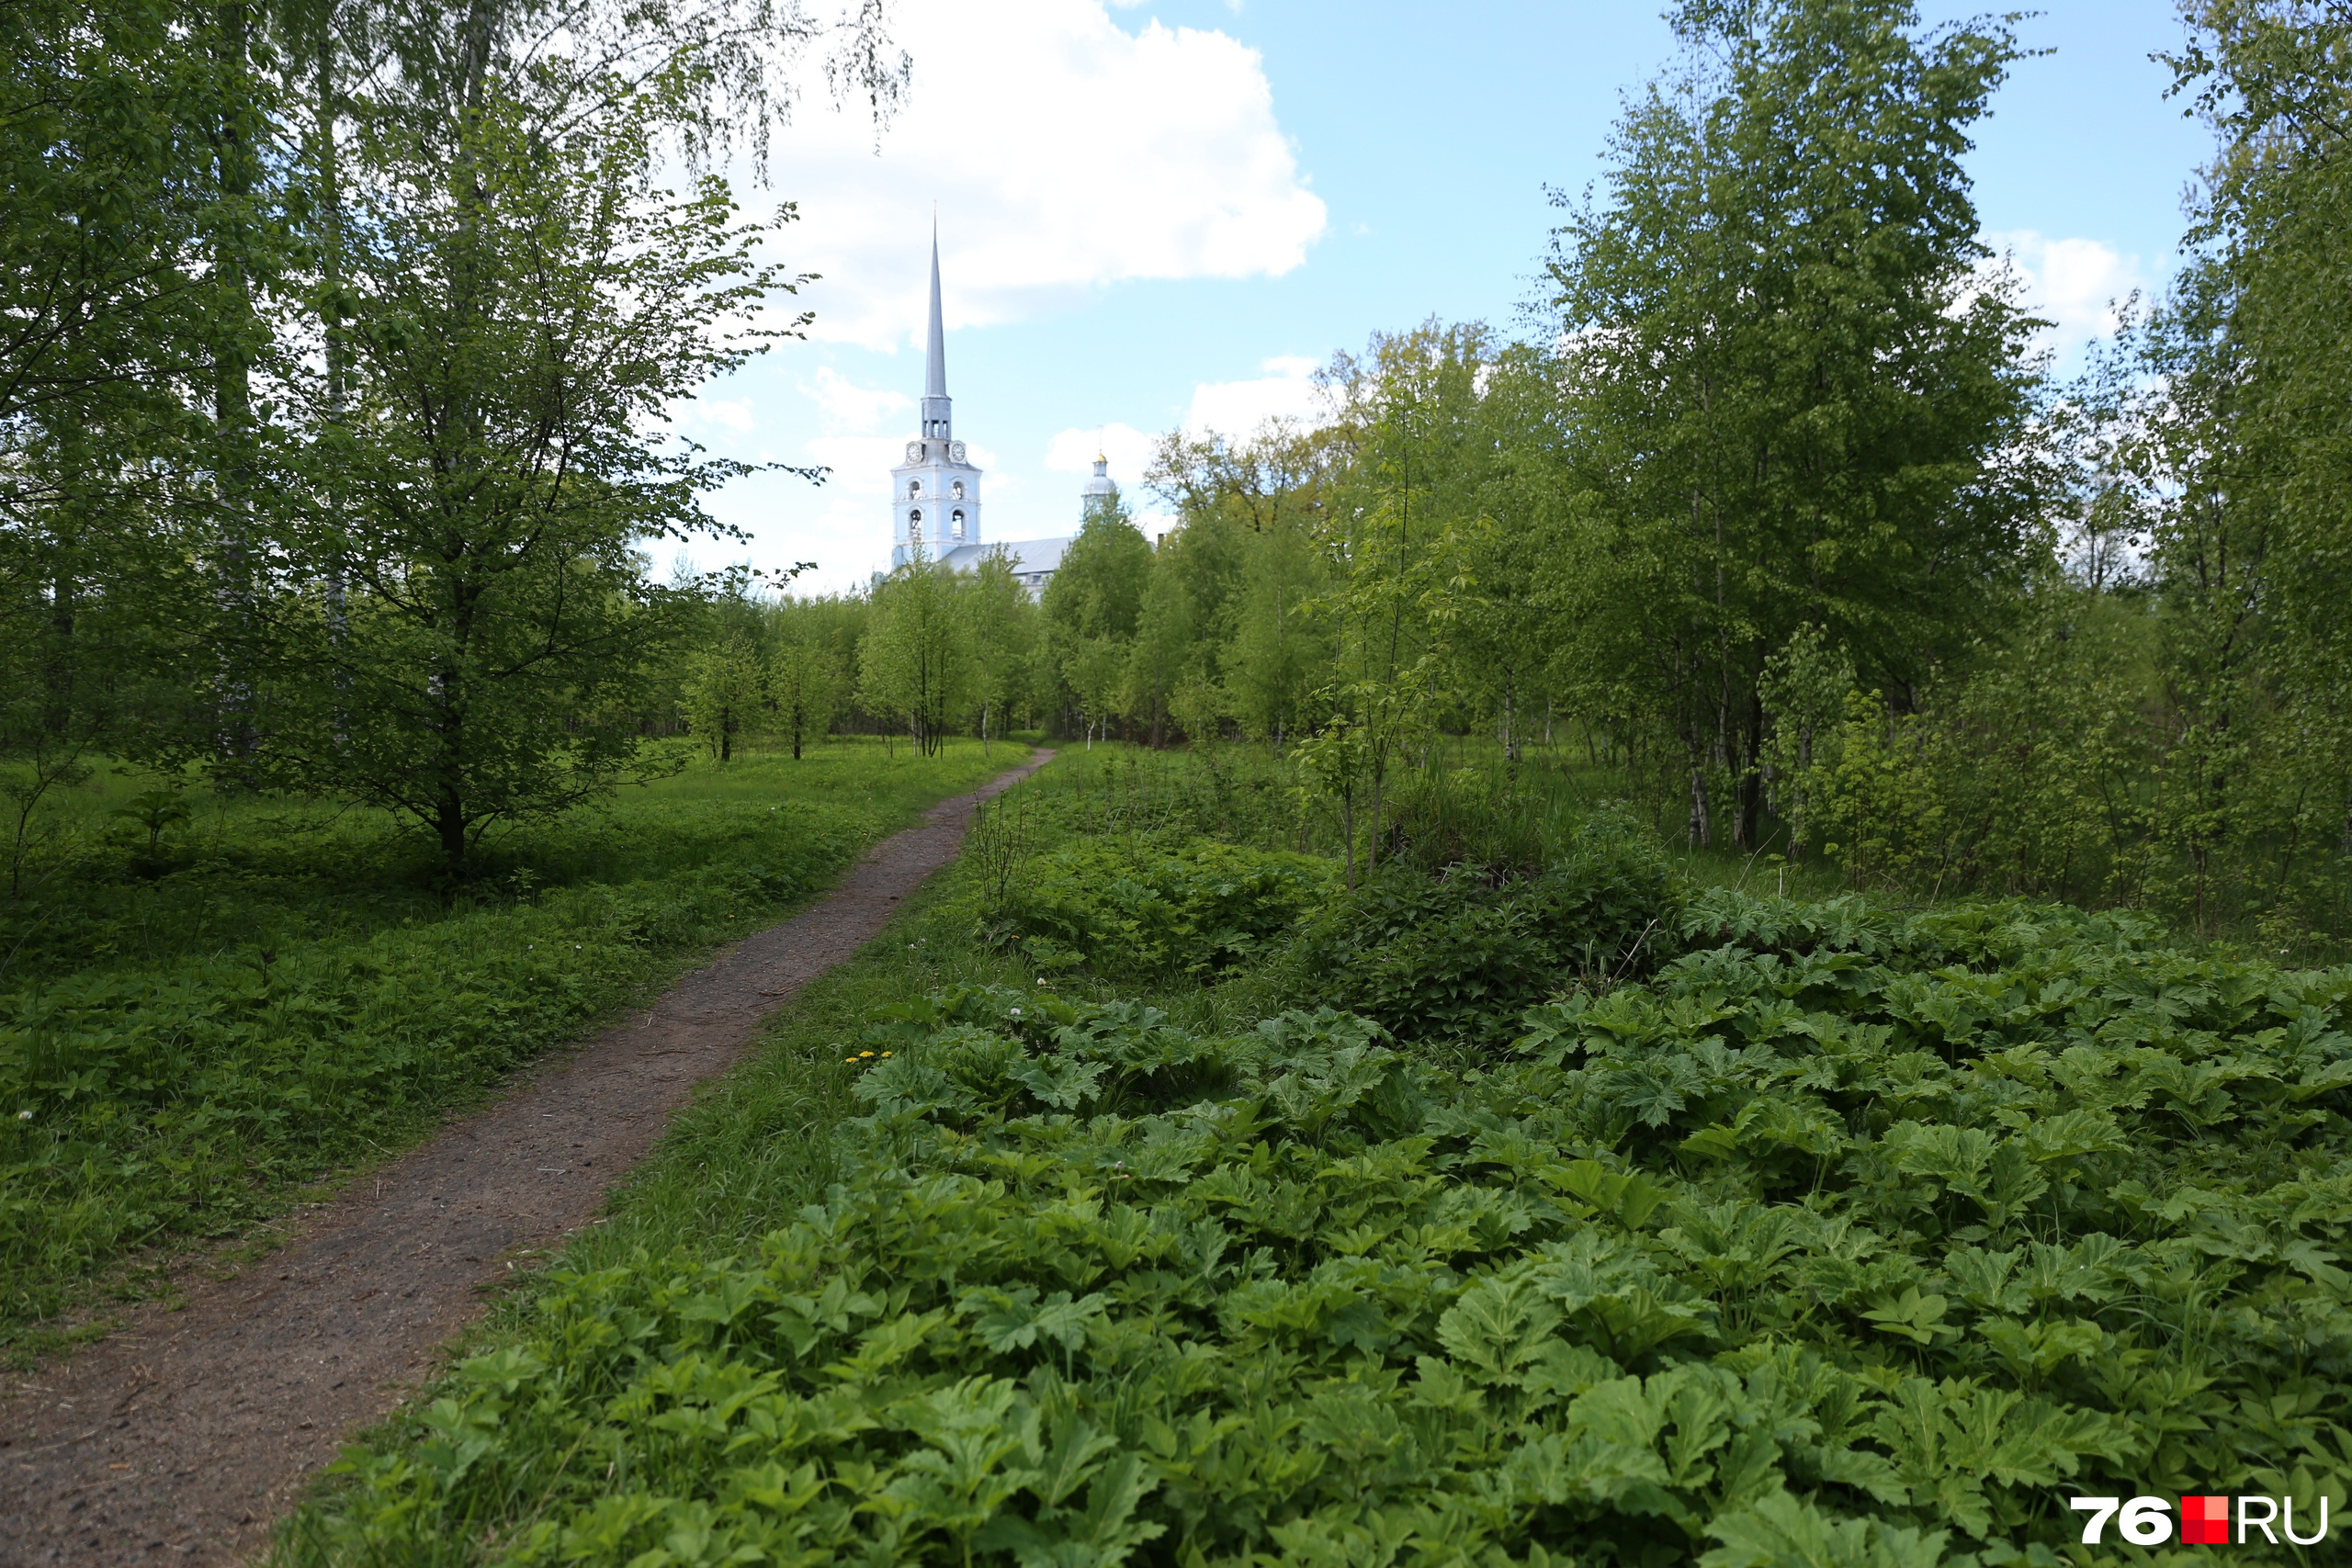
(935, 416)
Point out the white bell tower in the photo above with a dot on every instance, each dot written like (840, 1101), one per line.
(935, 493)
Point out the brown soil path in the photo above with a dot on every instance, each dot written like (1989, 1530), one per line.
(184, 1435)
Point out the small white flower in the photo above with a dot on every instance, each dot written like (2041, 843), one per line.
(24, 1115)
(1017, 1012)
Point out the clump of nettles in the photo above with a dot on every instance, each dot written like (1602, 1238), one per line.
(1153, 910)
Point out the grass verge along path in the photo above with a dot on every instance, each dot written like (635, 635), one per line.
(190, 1040)
(186, 1434)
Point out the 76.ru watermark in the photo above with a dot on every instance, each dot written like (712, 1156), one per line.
(2204, 1521)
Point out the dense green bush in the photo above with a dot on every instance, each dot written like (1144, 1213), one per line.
(1148, 910)
(1457, 955)
(1847, 1239)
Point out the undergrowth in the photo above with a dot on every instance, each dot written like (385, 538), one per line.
(288, 996)
(1823, 1236)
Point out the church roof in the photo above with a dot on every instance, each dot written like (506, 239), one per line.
(1029, 557)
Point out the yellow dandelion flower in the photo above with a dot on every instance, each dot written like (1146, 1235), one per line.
(866, 1053)
(885, 1053)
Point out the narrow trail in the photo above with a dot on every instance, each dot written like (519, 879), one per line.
(183, 1436)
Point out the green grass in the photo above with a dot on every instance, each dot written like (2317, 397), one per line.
(759, 1143)
(1457, 801)
(1852, 1237)
(186, 1045)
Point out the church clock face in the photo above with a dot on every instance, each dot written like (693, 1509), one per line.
(956, 451)
(914, 451)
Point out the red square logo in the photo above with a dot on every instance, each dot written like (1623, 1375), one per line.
(2205, 1521)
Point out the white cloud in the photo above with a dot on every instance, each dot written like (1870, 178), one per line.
(846, 406)
(1062, 153)
(730, 413)
(1237, 409)
(860, 465)
(2073, 283)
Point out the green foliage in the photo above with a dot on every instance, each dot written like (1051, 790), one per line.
(2050, 766)
(1091, 607)
(1849, 1237)
(1003, 621)
(512, 340)
(1804, 694)
(812, 646)
(1190, 909)
(915, 662)
(729, 694)
(804, 684)
(183, 1044)
(1271, 664)
(1795, 396)
(1456, 956)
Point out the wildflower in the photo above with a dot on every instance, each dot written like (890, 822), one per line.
(849, 1061)
(24, 1115)
(885, 1053)
(866, 1053)
(1017, 1012)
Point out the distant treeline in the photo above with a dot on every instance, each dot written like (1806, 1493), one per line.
(335, 389)
(1782, 515)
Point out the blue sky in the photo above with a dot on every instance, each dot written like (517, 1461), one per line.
(1163, 214)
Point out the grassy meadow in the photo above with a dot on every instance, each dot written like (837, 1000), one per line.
(198, 1021)
(1146, 1195)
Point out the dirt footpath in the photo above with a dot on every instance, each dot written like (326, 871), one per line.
(183, 1436)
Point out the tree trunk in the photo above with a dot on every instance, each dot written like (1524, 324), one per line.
(338, 351)
(1348, 831)
(1510, 735)
(449, 823)
(59, 672)
(233, 386)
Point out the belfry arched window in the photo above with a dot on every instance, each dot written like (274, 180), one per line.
(957, 519)
(914, 487)
(914, 524)
(957, 490)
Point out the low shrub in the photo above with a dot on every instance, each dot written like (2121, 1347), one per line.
(1195, 907)
(1457, 955)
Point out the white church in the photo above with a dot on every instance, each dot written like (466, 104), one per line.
(935, 493)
